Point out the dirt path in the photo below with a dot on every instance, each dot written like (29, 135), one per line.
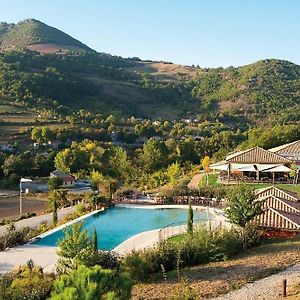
(218, 278)
(194, 182)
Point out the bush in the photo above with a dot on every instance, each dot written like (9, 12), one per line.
(13, 237)
(136, 265)
(92, 283)
(28, 283)
(252, 236)
(107, 260)
(204, 246)
(80, 208)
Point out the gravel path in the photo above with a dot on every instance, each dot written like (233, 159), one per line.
(268, 288)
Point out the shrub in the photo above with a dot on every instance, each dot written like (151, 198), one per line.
(136, 265)
(92, 283)
(13, 237)
(107, 260)
(204, 246)
(80, 208)
(183, 292)
(28, 283)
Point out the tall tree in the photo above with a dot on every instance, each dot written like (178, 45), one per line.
(190, 216)
(205, 164)
(95, 241)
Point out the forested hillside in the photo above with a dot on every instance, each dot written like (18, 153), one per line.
(263, 92)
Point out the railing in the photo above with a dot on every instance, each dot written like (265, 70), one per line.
(179, 200)
(237, 179)
(178, 228)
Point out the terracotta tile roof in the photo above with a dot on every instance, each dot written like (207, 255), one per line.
(293, 204)
(256, 155)
(275, 190)
(293, 217)
(64, 176)
(290, 148)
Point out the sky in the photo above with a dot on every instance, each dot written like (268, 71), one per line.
(208, 33)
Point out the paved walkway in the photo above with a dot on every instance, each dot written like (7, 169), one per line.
(43, 256)
(268, 288)
(36, 221)
(146, 239)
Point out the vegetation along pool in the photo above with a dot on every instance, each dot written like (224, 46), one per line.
(117, 224)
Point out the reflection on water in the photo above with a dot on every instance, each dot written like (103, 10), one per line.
(118, 224)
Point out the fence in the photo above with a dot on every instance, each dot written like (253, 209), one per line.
(178, 228)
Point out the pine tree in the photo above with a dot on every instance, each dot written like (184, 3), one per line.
(76, 248)
(190, 220)
(92, 283)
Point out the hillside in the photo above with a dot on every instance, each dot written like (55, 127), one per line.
(37, 36)
(263, 92)
(267, 88)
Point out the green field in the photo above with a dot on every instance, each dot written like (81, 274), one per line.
(10, 109)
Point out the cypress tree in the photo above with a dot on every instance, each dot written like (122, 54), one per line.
(54, 209)
(95, 241)
(190, 220)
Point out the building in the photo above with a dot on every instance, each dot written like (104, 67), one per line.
(67, 179)
(6, 147)
(254, 164)
(290, 151)
(281, 210)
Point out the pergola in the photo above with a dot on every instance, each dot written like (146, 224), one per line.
(256, 160)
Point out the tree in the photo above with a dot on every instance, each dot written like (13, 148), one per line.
(36, 135)
(91, 284)
(75, 249)
(95, 241)
(154, 156)
(47, 134)
(54, 206)
(54, 183)
(242, 207)
(205, 164)
(173, 173)
(190, 220)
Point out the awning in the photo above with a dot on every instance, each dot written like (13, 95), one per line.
(280, 168)
(222, 166)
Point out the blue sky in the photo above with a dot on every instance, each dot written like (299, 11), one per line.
(209, 33)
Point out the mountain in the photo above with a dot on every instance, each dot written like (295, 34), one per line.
(37, 36)
(267, 91)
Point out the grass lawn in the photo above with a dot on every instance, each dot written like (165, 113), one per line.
(217, 278)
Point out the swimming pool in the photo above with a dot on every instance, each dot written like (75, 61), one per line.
(115, 225)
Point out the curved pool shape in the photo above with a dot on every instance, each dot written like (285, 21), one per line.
(115, 225)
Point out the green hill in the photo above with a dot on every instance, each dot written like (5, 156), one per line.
(267, 88)
(267, 91)
(37, 36)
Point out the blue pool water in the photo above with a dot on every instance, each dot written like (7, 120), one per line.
(115, 225)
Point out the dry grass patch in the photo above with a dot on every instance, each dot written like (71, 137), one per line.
(218, 278)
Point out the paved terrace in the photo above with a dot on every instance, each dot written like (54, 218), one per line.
(43, 256)
(37, 220)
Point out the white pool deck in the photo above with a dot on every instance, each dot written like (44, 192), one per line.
(46, 257)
